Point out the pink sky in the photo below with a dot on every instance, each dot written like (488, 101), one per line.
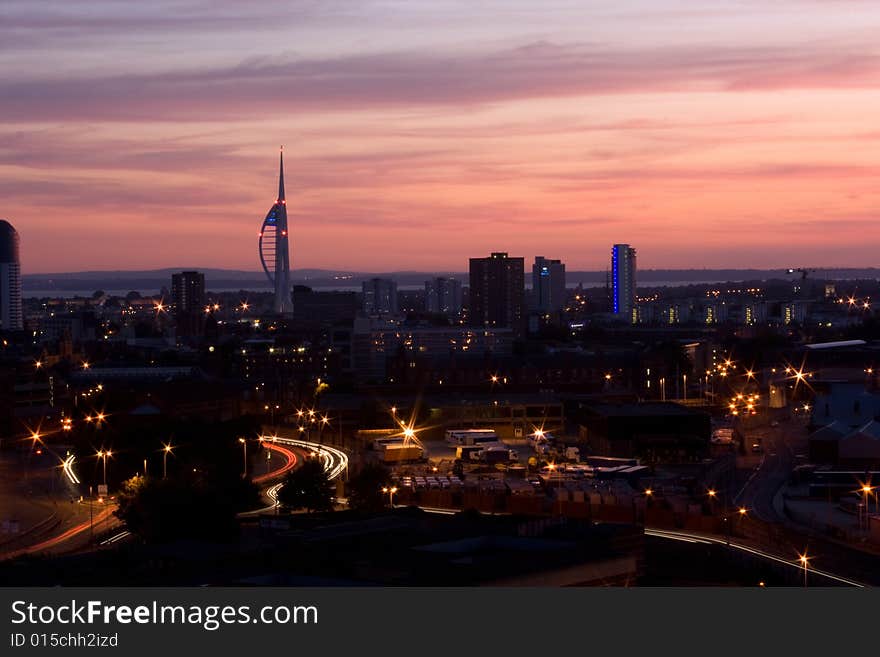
(706, 134)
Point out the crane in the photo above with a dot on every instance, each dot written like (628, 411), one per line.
(803, 272)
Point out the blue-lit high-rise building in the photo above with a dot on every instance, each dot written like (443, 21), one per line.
(275, 250)
(623, 281)
(10, 279)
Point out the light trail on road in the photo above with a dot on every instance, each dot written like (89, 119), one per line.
(703, 538)
(55, 541)
(287, 467)
(335, 460)
(117, 537)
(272, 493)
(67, 466)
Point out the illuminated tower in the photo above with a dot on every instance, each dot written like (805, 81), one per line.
(275, 251)
(623, 275)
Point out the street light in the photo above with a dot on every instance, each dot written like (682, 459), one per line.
(104, 455)
(244, 448)
(866, 488)
(554, 468)
(390, 491)
(165, 452)
(805, 561)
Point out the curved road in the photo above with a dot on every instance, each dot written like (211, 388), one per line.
(760, 490)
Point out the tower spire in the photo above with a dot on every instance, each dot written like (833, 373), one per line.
(281, 176)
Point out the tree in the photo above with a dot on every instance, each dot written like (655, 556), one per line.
(193, 502)
(161, 510)
(365, 489)
(307, 487)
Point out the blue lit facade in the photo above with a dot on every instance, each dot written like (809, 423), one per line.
(623, 280)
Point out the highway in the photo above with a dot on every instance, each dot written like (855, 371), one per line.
(692, 537)
(335, 463)
(290, 461)
(335, 460)
(94, 523)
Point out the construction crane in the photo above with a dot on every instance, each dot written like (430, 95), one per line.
(803, 272)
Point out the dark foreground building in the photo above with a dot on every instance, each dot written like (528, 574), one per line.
(10, 279)
(654, 432)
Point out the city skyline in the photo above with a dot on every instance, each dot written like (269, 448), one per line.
(711, 136)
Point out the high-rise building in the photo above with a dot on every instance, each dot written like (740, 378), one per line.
(548, 284)
(275, 250)
(10, 279)
(623, 280)
(188, 297)
(380, 296)
(188, 291)
(497, 292)
(443, 296)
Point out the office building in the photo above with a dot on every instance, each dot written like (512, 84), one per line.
(275, 250)
(10, 279)
(548, 285)
(623, 280)
(497, 292)
(379, 296)
(443, 296)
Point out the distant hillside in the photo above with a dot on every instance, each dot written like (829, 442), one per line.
(323, 278)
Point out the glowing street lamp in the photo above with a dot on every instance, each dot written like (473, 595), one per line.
(390, 490)
(104, 455)
(865, 490)
(805, 562)
(166, 450)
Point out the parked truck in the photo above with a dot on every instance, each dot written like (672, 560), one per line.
(400, 452)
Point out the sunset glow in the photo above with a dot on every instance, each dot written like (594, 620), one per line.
(732, 134)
